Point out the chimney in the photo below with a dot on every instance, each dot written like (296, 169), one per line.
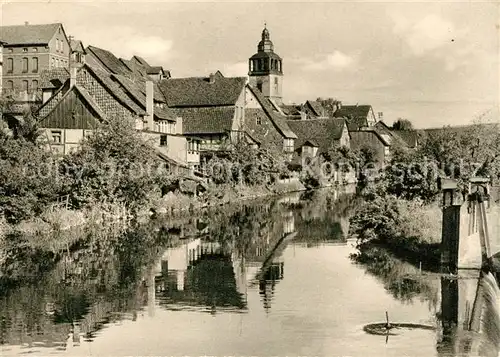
(178, 125)
(26, 23)
(72, 76)
(150, 105)
(212, 78)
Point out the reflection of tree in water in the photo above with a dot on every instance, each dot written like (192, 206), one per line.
(401, 279)
(91, 286)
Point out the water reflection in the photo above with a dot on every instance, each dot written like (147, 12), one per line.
(220, 278)
(465, 307)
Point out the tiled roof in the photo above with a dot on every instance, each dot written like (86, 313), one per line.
(109, 60)
(354, 124)
(316, 107)
(90, 100)
(409, 136)
(198, 91)
(137, 90)
(53, 78)
(76, 45)
(360, 137)
(116, 90)
(134, 67)
(155, 70)
(322, 132)
(290, 109)
(279, 121)
(206, 120)
(28, 34)
(141, 61)
(354, 111)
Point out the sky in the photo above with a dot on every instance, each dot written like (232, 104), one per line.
(434, 63)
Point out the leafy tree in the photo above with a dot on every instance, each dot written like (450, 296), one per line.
(402, 124)
(28, 180)
(330, 105)
(116, 164)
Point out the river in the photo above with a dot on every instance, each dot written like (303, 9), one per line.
(269, 278)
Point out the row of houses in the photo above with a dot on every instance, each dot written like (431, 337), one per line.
(74, 88)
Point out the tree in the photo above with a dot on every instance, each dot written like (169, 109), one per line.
(330, 105)
(116, 164)
(402, 124)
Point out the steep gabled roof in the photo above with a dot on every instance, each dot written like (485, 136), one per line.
(200, 92)
(28, 34)
(76, 46)
(53, 78)
(83, 93)
(356, 123)
(140, 61)
(316, 107)
(278, 120)
(290, 109)
(206, 120)
(137, 91)
(115, 90)
(353, 111)
(108, 60)
(359, 136)
(410, 137)
(322, 132)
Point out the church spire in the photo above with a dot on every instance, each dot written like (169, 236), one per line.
(265, 68)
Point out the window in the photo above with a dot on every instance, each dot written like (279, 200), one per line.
(10, 65)
(57, 62)
(56, 136)
(25, 50)
(52, 62)
(35, 49)
(288, 145)
(163, 140)
(25, 86)
(35, 64)
(193, 145)
(34, 85)
(11, 50)
(259, 120)
(10, 85)
(25, 65)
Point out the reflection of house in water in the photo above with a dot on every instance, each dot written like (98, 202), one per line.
(202, 274)
(270, 253)
(212, 276)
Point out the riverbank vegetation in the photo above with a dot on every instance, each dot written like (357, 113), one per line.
(401, 211)
(116, 173)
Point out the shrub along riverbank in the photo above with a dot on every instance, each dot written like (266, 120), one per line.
(401, 212)
(116, 175)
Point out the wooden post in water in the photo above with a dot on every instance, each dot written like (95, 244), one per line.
(450, 234)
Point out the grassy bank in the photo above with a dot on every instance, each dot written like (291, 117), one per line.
(59, 229)
(411, 230)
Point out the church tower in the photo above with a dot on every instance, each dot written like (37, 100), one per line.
(266, 69)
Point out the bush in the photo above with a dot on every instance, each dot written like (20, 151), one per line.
(408, 228)
(115, 165)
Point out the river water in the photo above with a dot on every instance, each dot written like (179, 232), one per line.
(271, 278)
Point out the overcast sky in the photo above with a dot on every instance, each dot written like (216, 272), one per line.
(434, 63)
